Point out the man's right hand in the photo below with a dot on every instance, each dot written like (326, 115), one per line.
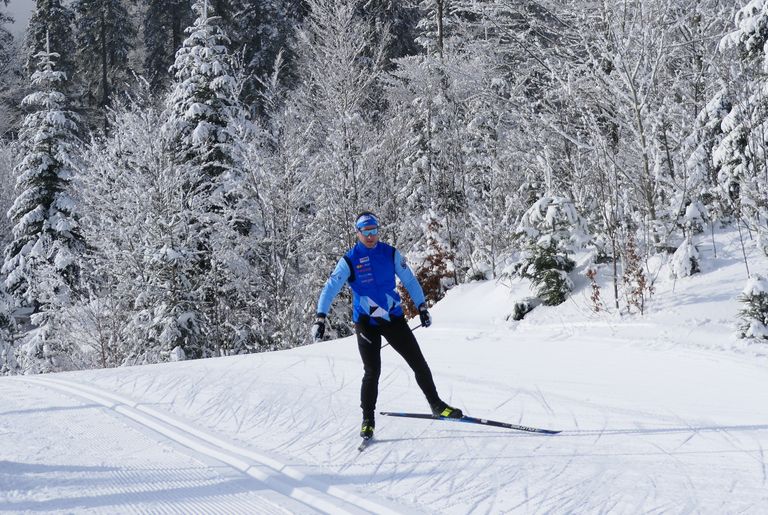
(318, 328)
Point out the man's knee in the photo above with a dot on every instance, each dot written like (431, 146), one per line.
(371, 371)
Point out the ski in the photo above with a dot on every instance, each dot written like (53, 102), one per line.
(473, 420)
(364, 444)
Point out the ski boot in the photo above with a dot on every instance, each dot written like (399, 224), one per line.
(441, 409)
(366, 431)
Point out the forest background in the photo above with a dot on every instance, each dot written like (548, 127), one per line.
(178, 178)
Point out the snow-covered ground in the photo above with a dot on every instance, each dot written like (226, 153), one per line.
(661, 413)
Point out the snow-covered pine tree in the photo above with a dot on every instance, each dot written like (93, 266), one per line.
(53, 20)
(700, 180)
(6, 39)
(260, 30)
(203, 101)
(104, 36)
(204, 116)
(8, 159)
(754, 315)
(685, 260)
(550, 230)
(395, 20)
(742, 155)
(432, 114)
(163, 28)
(8, 335)
(10, 76)
(43, 262)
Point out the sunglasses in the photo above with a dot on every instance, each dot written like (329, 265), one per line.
(369, 232)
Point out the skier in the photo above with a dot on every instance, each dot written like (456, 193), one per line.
(370, 268)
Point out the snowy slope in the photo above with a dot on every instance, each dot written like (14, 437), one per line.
(661, 413)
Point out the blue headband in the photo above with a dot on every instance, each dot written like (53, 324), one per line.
(366, 220)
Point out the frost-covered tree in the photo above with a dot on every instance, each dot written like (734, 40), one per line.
(433, 266)
(340, 59)
(143, 218)
(700, 175)
(104, 36)
(555, 221)
(431, 121)
(7, 190)
(53, 20)
(163, 28)
(261, 30)
(395, 21)
(685, 260)
(206, 123)
(8, 335)
(550, 229)
(279, 188)
(754, 315)
(6, 39)
(13, 82)
(741, 154)
(43, 261)
(203, 100)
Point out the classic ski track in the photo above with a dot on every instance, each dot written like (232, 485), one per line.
(139, 486)
(275, 474)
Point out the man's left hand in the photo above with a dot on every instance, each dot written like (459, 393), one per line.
(426, 318)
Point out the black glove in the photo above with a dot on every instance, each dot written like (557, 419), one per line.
(318, 328)
(426, 318)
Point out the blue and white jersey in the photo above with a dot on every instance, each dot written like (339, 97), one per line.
(371, 275)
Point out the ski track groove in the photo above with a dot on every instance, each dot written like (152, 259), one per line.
(274, 474)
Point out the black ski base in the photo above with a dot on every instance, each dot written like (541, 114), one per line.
(473, 420)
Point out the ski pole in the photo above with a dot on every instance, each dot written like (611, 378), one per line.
(411, 328)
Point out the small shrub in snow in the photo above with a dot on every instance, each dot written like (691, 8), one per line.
(435, 274)
(685, 260)
(636, 285)
(523, 307)
(754, 316)
(551, 228)
(597, 303)
(548, 270)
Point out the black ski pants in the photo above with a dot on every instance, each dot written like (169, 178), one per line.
(400, 337)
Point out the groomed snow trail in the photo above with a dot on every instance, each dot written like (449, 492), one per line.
(143, 460)
(661, 413)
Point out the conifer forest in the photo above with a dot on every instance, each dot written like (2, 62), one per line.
(178, 177)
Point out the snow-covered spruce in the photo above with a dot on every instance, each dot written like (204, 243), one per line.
(8, 330)
(685, 260)
(105, 37)
(754, 316)
(551, 228)
(43, 261)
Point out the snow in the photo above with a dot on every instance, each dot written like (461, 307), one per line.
(660, 413)
(756, 285)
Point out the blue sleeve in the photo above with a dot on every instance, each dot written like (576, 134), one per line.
(333, 286)
(409, 280)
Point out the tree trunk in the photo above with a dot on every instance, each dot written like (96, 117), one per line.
(439, 4)
(104, 81)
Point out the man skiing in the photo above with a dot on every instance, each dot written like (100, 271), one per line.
(370, 268)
